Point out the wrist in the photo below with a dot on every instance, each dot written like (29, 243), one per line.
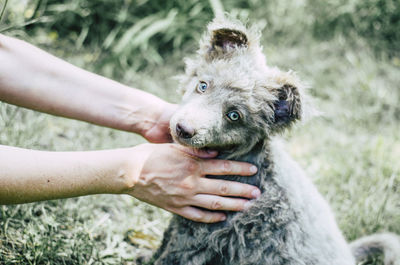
(137, 111)
(133, 161)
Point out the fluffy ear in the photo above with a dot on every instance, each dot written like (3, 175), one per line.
(226, 35)
(287, 108)
(288, 104)
(226, 39)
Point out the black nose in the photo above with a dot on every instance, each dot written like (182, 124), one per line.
(184, 131)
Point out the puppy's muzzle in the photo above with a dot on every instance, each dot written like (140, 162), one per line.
(184, 131)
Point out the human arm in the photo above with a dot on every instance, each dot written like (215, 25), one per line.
(165, 175)
(32, 78)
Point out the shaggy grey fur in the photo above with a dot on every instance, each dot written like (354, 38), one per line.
(290, 223)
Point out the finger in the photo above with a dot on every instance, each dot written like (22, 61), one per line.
(163, 138)
(168, 138)
(227, 188)
(198, 215)
(226, 167)
(217, 203)
(200, 153)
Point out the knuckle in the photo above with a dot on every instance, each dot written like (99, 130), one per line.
(216, 205)
(192, 166)
(187, 185)
(173, 191)
(199, 217)
(177, 201)
(226, 166)
(223, 189)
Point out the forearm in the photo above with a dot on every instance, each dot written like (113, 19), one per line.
(32, 78)
(165, 175)
(29, 175)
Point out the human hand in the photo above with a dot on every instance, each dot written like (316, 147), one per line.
(160, 132)
(172, 177)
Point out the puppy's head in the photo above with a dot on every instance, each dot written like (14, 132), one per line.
(232, 99)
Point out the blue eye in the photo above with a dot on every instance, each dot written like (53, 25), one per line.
(233, 115)
(202, 87)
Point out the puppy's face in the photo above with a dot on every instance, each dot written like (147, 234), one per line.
(232, 100)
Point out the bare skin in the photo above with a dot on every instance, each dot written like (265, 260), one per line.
(165, 175)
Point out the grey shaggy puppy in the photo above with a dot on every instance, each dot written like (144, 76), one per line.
(234, 103)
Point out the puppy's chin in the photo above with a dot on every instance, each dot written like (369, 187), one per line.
(229, 149)
(196, 144)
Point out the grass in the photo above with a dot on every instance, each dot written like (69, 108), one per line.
(99, 229)
(351, 151)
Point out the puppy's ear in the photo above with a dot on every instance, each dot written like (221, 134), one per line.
(226, 39)
(287, 107)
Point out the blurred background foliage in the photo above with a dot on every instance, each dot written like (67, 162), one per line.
(377, 21)
(139, 33)
(347, 51)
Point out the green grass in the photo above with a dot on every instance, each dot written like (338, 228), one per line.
(351, 151)
(86, 230)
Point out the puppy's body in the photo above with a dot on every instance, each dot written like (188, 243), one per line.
(290, 224)
(235, 103)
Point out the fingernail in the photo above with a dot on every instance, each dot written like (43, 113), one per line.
(223, 218)
(247, 205)
(253, 169)
(256, 193)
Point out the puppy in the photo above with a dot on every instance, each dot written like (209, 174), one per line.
(234, 103)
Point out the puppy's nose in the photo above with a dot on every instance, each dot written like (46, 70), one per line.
(184, 131)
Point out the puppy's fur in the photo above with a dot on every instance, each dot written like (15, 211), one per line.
(234, 103)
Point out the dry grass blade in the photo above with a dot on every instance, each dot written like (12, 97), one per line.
(217, 8)
(3, 9)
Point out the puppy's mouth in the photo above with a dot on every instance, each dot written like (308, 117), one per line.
(201, 145)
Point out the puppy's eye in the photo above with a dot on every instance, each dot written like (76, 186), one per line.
(233, 115)
(202, 87)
